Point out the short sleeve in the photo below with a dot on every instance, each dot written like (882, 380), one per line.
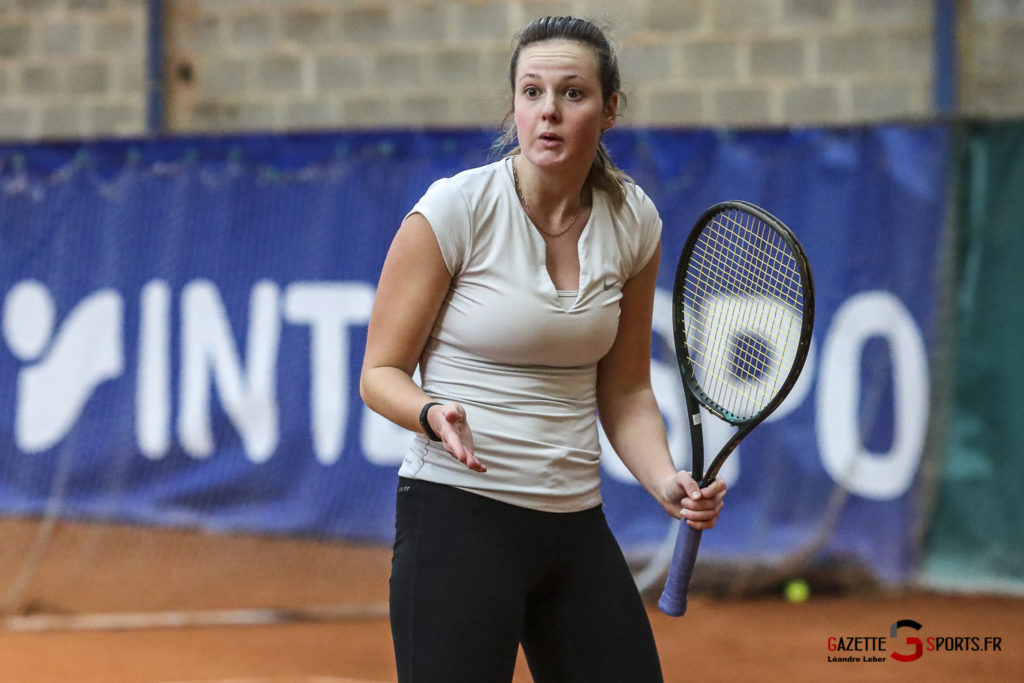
(447, 212)
(648, 229)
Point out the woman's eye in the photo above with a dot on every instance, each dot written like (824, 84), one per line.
(531, 91)
(574, 93)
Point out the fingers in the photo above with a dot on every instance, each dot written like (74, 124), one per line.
(716, 489)
(465, 456)
(702, 518)
(702, 506)
(460, 452)
(690, 486)
(457, 438)
(693, 490)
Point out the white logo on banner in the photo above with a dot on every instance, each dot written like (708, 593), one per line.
(62, 369)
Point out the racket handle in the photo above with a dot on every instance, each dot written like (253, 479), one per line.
(677, 585)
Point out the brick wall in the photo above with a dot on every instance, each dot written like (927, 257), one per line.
(77, 68)
(991, 64)
(72, 68)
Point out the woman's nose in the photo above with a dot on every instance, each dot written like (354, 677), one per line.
(549, 110)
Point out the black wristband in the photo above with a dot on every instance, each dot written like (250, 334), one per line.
(431, 434)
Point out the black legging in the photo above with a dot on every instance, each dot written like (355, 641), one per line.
(472, 578)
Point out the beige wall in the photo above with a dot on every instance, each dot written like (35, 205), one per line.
(77, 68)
(72, 68)
(991, 63)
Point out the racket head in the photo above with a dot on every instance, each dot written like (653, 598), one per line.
(742, 311)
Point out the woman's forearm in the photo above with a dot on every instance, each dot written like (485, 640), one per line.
(636, 430)
(391, 392)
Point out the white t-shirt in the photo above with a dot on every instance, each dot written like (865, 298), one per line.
(522, 362)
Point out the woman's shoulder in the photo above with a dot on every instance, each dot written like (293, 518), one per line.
(461, 199)
(636, 197)
(472, 181)
(635, 206)
(637, 225)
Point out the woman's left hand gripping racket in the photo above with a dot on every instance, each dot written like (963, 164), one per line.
(742, 315)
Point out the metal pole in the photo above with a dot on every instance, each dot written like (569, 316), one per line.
(945, 46)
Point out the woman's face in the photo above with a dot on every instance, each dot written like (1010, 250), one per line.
(559, 108)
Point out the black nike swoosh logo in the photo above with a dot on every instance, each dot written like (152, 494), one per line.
(609, 285)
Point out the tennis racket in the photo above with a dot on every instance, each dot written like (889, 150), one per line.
(742, 316)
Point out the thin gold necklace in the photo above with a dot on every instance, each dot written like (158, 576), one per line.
(526, 208)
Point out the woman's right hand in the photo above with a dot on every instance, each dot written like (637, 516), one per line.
(449, 422)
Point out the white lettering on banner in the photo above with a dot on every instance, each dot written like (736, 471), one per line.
(329, 308)
(878, 476)
(64, 362)
(87, 350)
(208, 351)
(153, 389)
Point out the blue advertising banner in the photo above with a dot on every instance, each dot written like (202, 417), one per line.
(183, 323)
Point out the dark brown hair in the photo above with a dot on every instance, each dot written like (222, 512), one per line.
(604, 174)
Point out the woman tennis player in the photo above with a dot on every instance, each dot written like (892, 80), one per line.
(524, 290)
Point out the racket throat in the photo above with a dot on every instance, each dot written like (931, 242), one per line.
(726, 451)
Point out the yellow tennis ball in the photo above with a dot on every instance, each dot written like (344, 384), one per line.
(798, 591)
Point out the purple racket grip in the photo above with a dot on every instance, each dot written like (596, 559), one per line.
(677, 585)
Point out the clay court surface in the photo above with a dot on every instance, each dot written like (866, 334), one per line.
(762, 639)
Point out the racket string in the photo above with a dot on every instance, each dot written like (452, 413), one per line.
(742, 277)
(752, 356)
(749, 360)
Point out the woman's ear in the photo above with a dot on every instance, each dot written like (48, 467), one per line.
(611, 111)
